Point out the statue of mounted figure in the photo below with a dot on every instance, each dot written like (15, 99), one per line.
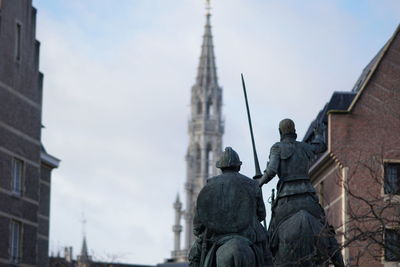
(299, 232)
(230, 209)
(227, 220)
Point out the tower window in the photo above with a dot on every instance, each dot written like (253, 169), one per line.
(18, 42)
(210, 111)
(199, 107)
(392, 178)
(15, 241)
(210, 161)
(17, 176)
(198, 158)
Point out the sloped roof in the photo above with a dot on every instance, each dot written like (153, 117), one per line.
(370, 69)
(345, 101)
(338, 101)
(367, 70)
(207, 70)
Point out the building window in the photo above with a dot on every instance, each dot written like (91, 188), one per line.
(15, 241)
(198, 158)
(209, 108)
(392, 245)
(392, 178)
(199, 107)
(210, 161)
(18, 42)
(17, 176)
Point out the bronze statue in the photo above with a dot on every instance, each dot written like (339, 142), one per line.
(227, 220)
(299, 232)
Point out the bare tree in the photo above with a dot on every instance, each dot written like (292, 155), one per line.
(372, 213)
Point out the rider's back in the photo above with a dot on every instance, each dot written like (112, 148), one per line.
(228, 205)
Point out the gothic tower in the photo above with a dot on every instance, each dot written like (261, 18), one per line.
(206, 128)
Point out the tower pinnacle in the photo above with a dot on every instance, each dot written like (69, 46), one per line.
(208, 7)
(205, 130)
(84, 259)
(207, 70)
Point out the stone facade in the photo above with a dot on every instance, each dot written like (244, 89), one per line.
(362, 132)
(206, 128)
(25, 165)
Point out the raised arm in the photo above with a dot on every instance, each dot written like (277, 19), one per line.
(318, 144)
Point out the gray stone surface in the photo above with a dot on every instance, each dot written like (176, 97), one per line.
(205, 128)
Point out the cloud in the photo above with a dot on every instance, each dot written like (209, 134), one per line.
(117, 91)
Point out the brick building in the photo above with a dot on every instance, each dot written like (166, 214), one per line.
(25, 166)
(358, 177)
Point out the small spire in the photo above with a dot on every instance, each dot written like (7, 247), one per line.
(207, 70)
(178, 203)
(84, 251)
(84, 257)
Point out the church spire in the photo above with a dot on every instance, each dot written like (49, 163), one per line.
(205, 130)
(84, 250)
(84, 259)
(207, 70)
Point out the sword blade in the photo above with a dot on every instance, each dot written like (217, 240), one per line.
(256, 163)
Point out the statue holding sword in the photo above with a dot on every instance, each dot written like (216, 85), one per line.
(299, 234)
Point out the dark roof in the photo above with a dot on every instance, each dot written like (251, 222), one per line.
(338, 101)
(364, 74)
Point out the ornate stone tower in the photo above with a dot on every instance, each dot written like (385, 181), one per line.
(206, 128)
(178, 255)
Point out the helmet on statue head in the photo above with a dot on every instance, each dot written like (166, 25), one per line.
(287, 126)
(229, 159)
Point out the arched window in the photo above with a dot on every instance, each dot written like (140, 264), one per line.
(210, 160)
(199, 107)
(198, 158)
(210, 110)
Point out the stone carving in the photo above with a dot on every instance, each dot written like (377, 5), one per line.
(299, 232)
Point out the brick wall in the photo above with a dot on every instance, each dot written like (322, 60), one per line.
(360, 140)
(20, 127)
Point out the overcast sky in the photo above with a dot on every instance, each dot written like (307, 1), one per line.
(117, 88)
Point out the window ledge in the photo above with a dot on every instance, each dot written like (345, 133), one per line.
(391, 198)
(16, 194)
(391, 264)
